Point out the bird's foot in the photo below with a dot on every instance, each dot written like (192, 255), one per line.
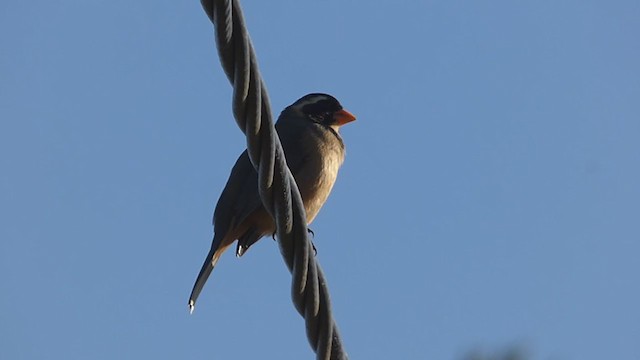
(273, 236)
(315, 251)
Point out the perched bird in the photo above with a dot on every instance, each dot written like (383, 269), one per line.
(308, 132)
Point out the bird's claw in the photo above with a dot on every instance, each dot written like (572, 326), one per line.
(315, 251)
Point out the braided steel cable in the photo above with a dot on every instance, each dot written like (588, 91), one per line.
(277, 187)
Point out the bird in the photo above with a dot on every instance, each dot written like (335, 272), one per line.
(309, 133)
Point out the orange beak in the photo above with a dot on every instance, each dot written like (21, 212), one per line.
(343, 116)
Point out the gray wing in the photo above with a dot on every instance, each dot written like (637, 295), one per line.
(296, 154)
(239, 198)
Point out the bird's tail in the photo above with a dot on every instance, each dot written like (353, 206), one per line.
(207, 267)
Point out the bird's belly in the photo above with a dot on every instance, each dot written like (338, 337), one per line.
(316, 183)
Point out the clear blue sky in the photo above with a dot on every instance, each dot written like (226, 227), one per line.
(489, 198)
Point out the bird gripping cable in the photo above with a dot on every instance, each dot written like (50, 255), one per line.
(277, 187)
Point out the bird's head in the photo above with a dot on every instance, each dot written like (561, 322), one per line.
(322, 109)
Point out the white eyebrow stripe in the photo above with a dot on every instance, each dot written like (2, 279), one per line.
(313, 100)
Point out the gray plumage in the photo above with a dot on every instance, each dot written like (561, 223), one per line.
(308, 132)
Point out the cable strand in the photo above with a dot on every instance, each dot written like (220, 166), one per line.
(277, 187)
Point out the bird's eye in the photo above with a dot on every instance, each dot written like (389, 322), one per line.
(322, 117)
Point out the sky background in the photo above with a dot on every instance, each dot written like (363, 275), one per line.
(489, 198)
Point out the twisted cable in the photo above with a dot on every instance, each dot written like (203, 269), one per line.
(277, 187)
